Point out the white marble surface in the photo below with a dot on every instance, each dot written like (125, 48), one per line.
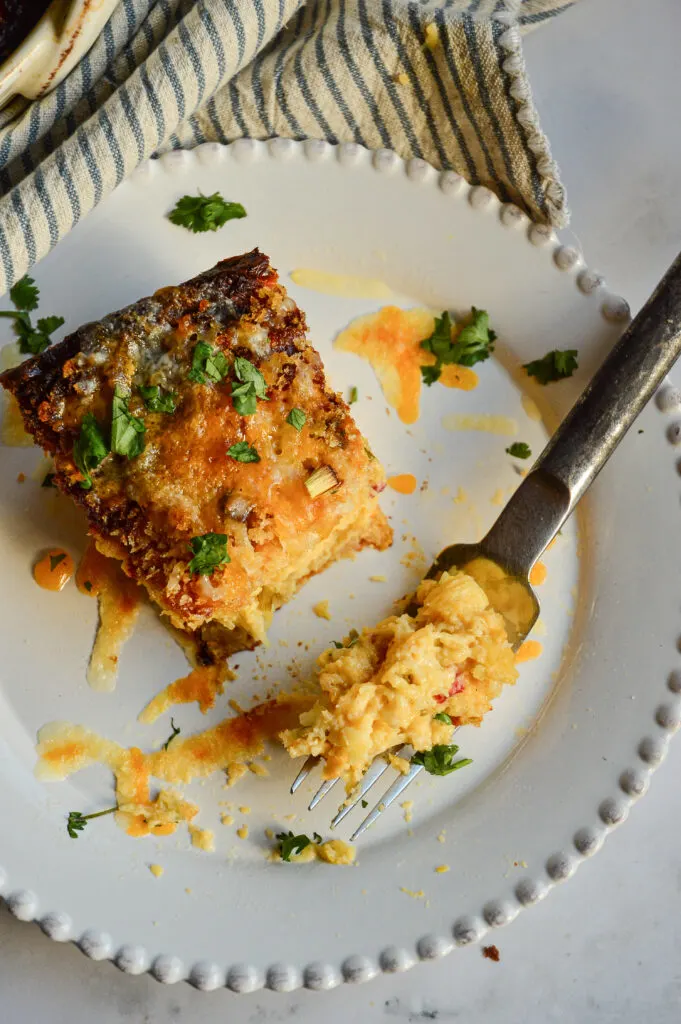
(604, 947)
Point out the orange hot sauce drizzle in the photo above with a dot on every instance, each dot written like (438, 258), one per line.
(528, 651)
(390, 340)
(538, 574)
(403, 483)
(64, 749)
(54, 570)
(119, 604)
(202, 685)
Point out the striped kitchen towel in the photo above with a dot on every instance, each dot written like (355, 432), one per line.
(444, 81)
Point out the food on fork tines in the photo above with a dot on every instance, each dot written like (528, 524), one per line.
(197, 430)
(407, 680)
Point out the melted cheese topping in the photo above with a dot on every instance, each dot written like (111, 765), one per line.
(390, 340)
(345, 286)
(119, 604)
(453, 656)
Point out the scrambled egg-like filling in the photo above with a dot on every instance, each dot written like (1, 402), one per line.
(384, 689)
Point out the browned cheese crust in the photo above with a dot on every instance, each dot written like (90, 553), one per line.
(145, 510)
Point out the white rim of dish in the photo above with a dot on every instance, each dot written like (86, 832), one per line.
(613, 808)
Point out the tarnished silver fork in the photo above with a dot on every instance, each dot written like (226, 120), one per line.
(547, 496)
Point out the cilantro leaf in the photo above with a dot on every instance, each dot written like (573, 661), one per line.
(76, 821)
(288, 844)
(24, 294)
(354, 395)
(242, 452)
(519, 450)
(89, 449)
(127, 431)
(204, 213)
(353, 637)
(440, 760)
(48, 480)
(48, 324)
(30, 339)
(55, 560)
(251, 388)
(555, 365)
(474, 343)
(440, 341)
(296, 418)
(156, 400)
(429, 374)
(442, 716)
(173, 734)
(208, 364)
(210, 551)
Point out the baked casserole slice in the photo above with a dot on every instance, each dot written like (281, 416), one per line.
(197, 430)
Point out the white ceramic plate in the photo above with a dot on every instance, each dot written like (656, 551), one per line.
(556, 764)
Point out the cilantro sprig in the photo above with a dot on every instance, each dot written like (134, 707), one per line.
(127, 431)
(250, 387)
(440, 760)
(204, 213)
(474, 343)
(243, 452)
(176, 732)
(519, 450)
(442, 716)
(555, 365)
(32, 339)
(353, 637)
(288, 843)
(209, 551)
(24, 294)
(296, 418)
(157, 400)
(89, 449)
(76, 821)
(208, 363)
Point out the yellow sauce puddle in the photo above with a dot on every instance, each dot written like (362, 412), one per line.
(531, 408)
(504, 426)
(390, 340)
(345, 286)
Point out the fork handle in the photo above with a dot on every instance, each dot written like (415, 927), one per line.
(591, 431)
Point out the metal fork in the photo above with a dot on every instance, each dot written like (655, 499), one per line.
(535, 513)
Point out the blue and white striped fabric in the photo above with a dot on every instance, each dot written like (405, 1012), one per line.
(444, 81)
